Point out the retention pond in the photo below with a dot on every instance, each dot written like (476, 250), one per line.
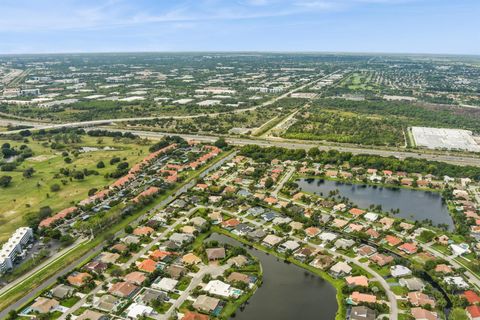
(288, 291)
(413, 204)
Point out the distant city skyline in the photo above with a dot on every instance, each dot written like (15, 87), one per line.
(367, 26)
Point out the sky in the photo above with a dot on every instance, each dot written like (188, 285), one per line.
(397, 26)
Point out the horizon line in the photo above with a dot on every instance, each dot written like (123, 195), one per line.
(248, 51)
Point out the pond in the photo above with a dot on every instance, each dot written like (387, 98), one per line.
(413, 204)
(287, 292)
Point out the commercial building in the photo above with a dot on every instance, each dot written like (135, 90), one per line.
(14, 247)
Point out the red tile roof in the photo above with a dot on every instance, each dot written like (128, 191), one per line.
(47, 222)
(409, 248)
(356, 211)
(472, 297)
(474, 312)
(147, 265)
(141, 231)
(149, 192)
(195, 316)
(393, 241)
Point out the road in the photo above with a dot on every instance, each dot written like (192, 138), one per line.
(50, 281)
(297, 144)
(6, 289)
(285, 178)
(472, 278)
(212, 269)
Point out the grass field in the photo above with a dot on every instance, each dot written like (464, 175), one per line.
(28, 195)
(359, 81)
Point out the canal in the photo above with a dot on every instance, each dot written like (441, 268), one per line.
(288, 291)
(413, 204)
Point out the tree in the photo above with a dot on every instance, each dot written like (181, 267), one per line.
(28, 173)
(67, 160)
(268, 183)
(100, 165)
(55, 187)
(5, 181)
(92, 191)
(114, 160)
(13, 314)
(78, 175)
(122, 166)
(45, 212)
(128, 229)
(221, 143)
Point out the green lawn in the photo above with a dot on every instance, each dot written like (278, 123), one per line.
(28, 195)
(70, 302)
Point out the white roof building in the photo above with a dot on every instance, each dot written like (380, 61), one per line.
(165, 284)
(219, 288)
(327, 236)
(289, 245)
(460, 249)
(458, 282)
(13, 247)
(371, 216)
(136, 310)
(398, 271)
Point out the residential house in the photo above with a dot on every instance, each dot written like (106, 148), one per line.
(412, 284)
(423, 314)
(322, 261)
(123, 289)
(361, 281)
(191, 259)
(44, 305)
(419, 299)
(135, 277)
(362, 313)
(340, 269)
(358, 297)
(271, 240)
(288, 245)
(147, 265)
(62, 291)
(381, 259)
(205, 303)
(78, 279)
(189, 315)
(399, 271)
(473, 312)
(214, 254)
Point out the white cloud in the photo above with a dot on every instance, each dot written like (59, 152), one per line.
(33, 15)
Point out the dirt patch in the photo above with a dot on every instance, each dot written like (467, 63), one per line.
(40, 158)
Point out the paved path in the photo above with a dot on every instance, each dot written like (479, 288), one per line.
(213, 269)
(472, 278)
(285, 178)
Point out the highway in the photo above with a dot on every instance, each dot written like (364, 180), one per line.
(297, 144)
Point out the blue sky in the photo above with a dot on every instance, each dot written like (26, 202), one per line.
(414, 26)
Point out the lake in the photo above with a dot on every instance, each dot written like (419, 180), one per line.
(413, 204)
(288, 291)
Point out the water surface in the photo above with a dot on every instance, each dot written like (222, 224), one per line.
(413, 204)
(288, 291)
